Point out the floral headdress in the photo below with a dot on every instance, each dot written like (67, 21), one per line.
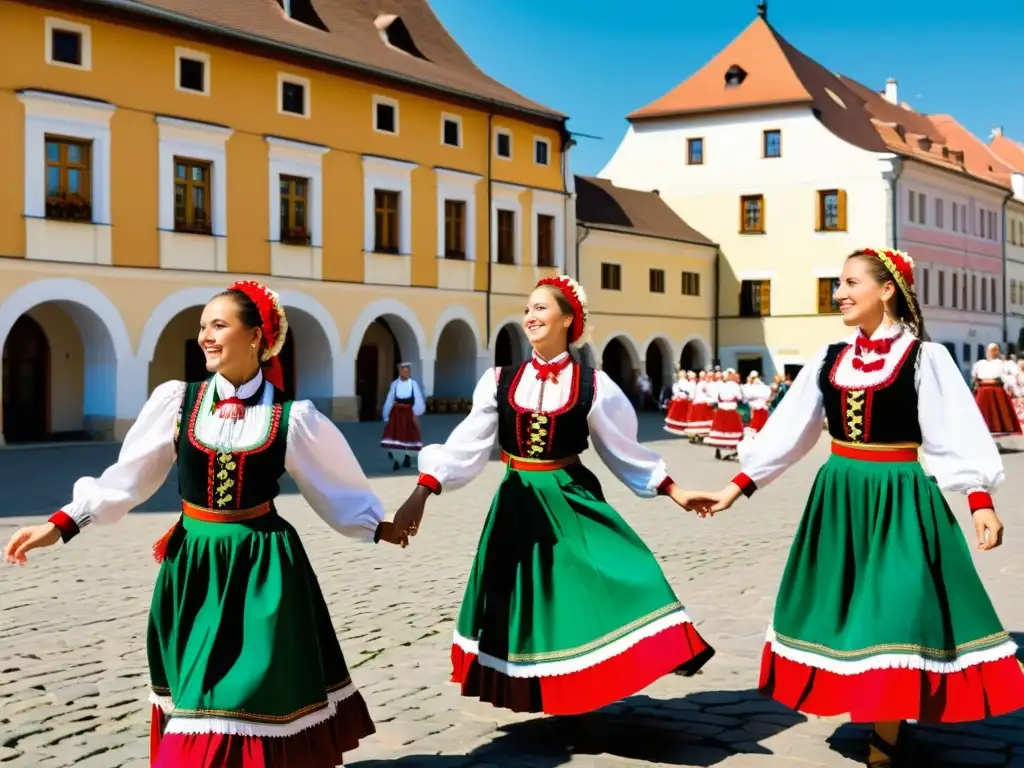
(577, 298)
(901, 267)
(273, 324)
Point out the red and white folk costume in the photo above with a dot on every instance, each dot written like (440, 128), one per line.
(702, 408)
(404, 405)
(679, 408)
(757, 395)
(994, 400)
(727, 425)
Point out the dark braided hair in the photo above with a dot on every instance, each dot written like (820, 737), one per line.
(249, 315)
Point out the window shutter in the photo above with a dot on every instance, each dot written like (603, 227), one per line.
(743, 220)
(766, 297)
(764, 214)
(841, 205)
(819, 211)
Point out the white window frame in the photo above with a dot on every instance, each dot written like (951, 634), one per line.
(457, 185)
(188, 53)
(541, 140)
(388, 102)
(504, 132)
(506, 197)
(394, 176)
(550, 204)
(196, 141)
(50, 113)
(285, 77)
(457, 119)
(304, 161)
(63, 25)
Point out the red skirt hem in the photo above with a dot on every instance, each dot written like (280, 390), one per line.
(320, 746)
(699, 419)
(975, 693)
(402, 432)
(758, 418)
(998, 411)
(726, 429)
(678, 412)
(675, 649)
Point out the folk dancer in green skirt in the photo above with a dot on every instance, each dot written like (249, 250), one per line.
(245, 667)
(881, 614)
(566, 609)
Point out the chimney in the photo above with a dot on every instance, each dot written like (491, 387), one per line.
(891, 94)
(997, 131)
(657, 192)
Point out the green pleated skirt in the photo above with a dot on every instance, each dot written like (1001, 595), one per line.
(881, 613)
(566, 609)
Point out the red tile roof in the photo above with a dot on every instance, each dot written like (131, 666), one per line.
(346, 33)
(1009, 152)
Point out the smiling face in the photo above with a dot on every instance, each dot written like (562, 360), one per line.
(546, 323)
(229, 345)
(860, 295)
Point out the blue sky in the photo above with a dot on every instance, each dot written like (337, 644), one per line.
(597, 60)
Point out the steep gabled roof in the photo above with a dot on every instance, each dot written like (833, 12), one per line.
(979, 159)
(400, 39)
(1008, 151)
(601, 204)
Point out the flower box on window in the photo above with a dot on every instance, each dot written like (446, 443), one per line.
(68, 208)
(295, 236)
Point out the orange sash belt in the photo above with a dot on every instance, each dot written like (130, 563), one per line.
(876, 451)
(537, 465)
(227, 516)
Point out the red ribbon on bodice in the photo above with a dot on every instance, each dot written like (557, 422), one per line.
(550, 371)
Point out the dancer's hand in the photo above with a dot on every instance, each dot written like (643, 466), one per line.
(988, 528)
(691, 501)
(390, 533)
(719, 501)
(32, 537)
(410, 514)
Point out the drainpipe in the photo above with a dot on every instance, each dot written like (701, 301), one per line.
(490, 230)
(1006, 330)
(579, 241)
(716, 309)
(897, 171)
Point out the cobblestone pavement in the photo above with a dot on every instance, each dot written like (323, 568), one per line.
(72, 630)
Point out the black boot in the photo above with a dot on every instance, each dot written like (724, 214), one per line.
(395, 467)
(408, 461)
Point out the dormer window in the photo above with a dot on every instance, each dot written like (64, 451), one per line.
(394, 32)
(735, 75)
(303, 12)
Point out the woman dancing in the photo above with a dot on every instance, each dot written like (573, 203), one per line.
(566, 609)
(881, 614)
(244, 664)
(992, 394)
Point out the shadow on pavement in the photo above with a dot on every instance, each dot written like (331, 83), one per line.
(691, 731)
(39, 480)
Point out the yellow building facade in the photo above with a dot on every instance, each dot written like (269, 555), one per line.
(153, 159)
(650, 282)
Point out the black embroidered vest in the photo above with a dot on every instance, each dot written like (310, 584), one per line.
(883, 413)
(555, 435)
(240, 479)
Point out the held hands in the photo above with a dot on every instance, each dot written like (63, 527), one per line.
(988, 528)
(705, 503)
(410, 514)
(26, 539)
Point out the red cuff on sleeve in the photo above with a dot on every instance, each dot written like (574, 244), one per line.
(747, 486)
(430, 483)
(664, 485)
(979, 500)
(68, 527)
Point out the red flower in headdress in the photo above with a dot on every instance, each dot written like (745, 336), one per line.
(573, 293)
(274, 325)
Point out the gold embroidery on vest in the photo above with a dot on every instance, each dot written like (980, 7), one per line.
(225, 466)
(855, 414)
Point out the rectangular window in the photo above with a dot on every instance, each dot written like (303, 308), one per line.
(967, 353)
(506, 237)
(963, 292)
(293, 96)
(545, 240)
(454, 229)
(963, 219)
(953, 304)
(192, 73)
(942, 289)
(992, 294)
(984, 294)
(981, 352)
(541, 151)
(925, 285)
(752, 214)
(66, 46)
(192, 196)
(451, 132)
(939, 213)
(993, 225)
(611, 277)
(695, 151)
(922, 208)
(691, 284)
(1013, 291)
(831, 213)
(385, 221)
(755, 298)
(772, 144)
(827, 287)
(385, 115)
(955, 221)
(981, 223)
(68, 179)
(657, 280)
(503, 144)
(911, 204)
(974, 293)
(294, 210)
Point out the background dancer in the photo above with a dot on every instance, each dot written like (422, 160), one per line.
(244, 663)
(877, 535)
(992, 396)
(757, 394)
(727, 425)
(702, 411)
(679, 407)
(566, 609)
(402, 409)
